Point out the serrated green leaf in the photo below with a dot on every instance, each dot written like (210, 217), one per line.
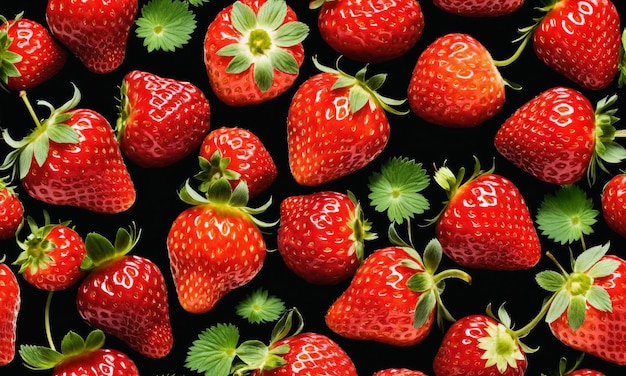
(260, 307)
(599, 298)
(590, 257)
(39, 358)
(243, 17)
(290, 34)
(550, 280)
(558, 306)
(165, 25)
(576, 311)
(424, 308)
(214, 351)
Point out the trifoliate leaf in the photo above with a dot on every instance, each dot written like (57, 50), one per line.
(165, 24)
(214, 350)
(260, 307)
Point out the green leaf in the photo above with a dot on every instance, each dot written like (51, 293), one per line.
(599, 298)
(239, 63)
(243, 17)
(62, 134)
(72, 344)
(290, 34)
(576, 311)
(253, 353)
(39, 358)
(424, 308)
(165, 25)
(558, 306)
(550, 280)
(260, 307)
(272, 14)
(214, 350)
(263, 73)
(590, 257)
(283, 61)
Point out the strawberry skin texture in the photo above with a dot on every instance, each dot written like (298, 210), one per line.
(378, 305)
(11, 212)
(114, 362)
(164, 119)
(96, 31)
(374, 31)
(581, 40)
(614, 204)
(398, 372)
(552, 136)
(479, 8)
(586, 372)
(212, 250)
(325, 140)
(127, 298)
(487, 225)
(10, 302)
(602, 334)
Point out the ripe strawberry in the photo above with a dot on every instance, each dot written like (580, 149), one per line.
(614, 204)
(29, 55)
(125, 295)
(486, 223)
(96, 31)
(80, 357)
(370, 31)
(11, 210)
(479, 8)
(393, 298)
(455, 83)
(557, 136)
(242, 157)
(161, 120)
(574, 370)
(10, 302)
(336, 125)
(398, 372)
(214, 246)
(72, 158)
(51, 255)
(253, 51)
(321, 236)
(585, 372)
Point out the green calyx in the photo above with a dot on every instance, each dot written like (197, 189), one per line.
(260, 307)
(41, 358)
(263, 41)
(8, 59)
(100, 250)
(213, 169)
(361, 229)
(166, 25)
(606, 149)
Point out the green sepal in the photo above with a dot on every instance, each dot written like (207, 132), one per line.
(622, 61)
(166, 25)
(284, 326)
(8, 59)
(41, 358)
(214, 351)
(606, 149)
(100, 250)
(260, 307)
(361, 229)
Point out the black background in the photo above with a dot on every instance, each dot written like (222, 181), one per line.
(157, 202)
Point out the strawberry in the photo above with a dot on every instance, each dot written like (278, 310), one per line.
(243, 156)
(479, 8)
(125, 295)
(614, 204)
(321, 236)
(557, 136)
(96, 32)
(72, 158)
(161, 120)
(398, 372)
(253, 51)
(485, 222)
(585, 372)
(574, 370)
(11, 210)
(336, 125)
(29, 55)
(455, 83)
(214, 246)
(51, 255)
(79, 356)
(10, 302)
(393, 298)
(370, 31)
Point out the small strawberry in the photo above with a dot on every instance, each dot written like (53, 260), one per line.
(96, 32)
(161, 120)
(253, 51)
(125, 295)
(485, 222)
(398, 372)
(321, 236)
(479, 8)
(10, 302)
(79, 356)
(11, 210)
(242, 156)
(370, 31)
(72, 158)
(29, 55)
(336, 125)
(455, 83)
(51, 255)
(557, 137)
(574, 370)
(614, 204)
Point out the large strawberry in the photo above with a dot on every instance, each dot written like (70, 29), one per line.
(485, 222)
(614, 204)
(253, 51)
(455, 83)
(11, 210)
(72, 158)
(51, 255)
(10, 302)
(96, 31)
(29, 55)
(321, 236)
(125, 295)
(161, 120)
(557, 137)
(370, 31)
(479, 8)
(336, 125)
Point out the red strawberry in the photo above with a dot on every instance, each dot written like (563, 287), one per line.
(125, 295)
(10, 302)
(72, 158)
(573, 370)
(370, 31)
(614, 204)
(161, 120)
(479, 8)
(242, 157)
(398, 372)
(585, 372)
(393, 298)
(51, 255)
(253, 61)
(29, 54)
(96, 31)
(455, 83)
(11, 210)
(214, 246)
(557, 136)
(336, 125)
(80, 356)
(486, 223)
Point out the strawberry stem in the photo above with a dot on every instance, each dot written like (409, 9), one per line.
(523, 331)
(47, 320)
(30, 108)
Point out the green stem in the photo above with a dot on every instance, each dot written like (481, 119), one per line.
(30, 108)
(410, 233)
(452, 273)
(536, 320)
(518, 52)
(47, 320)
(556, 262)
(620, 133)
(582, 242)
